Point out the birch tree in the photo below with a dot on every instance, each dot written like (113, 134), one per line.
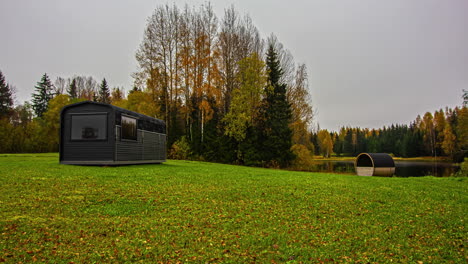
(245, 105)
(302, 112)
(238, 38)
(325, 142)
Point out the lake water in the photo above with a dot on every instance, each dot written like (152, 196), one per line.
(402, 168)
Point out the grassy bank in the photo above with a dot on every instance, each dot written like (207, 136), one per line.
(204, 212)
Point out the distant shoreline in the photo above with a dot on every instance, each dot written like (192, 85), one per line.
(422, 159)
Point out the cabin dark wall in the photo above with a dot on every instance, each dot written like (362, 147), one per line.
(149, 146)
(85, 145)
(101, 150)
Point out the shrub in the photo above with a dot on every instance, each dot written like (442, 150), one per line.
(180, 149)
(463, 172)
(304, 159)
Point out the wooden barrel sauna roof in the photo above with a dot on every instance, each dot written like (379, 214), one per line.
(377, 160)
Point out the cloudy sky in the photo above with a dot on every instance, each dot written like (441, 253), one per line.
(371, 63)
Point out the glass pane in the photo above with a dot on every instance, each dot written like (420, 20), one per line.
(129, 128)
(89, 127)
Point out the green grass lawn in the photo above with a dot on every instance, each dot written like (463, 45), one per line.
(183, 211)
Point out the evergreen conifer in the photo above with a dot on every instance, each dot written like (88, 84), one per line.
(44, 93)
(276, 115)
(104, 92)
(72, 90)
(6, 98)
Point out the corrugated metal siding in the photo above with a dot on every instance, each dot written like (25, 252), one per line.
(162, 146)
(155, 146)
(149, 146)
(150, 150)
(128, 150)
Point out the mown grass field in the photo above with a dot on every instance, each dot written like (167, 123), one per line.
(183, 211)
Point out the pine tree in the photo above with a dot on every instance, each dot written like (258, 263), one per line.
(6, 98)
(72, 90)
(465, 98)
(277, 115)
(104, 93)
(44, 93)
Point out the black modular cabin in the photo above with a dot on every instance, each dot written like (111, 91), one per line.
(94, 133)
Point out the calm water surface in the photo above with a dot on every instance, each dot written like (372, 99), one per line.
(402, 168)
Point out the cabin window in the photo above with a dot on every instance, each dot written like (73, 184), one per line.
(89, 126)
(129, 128)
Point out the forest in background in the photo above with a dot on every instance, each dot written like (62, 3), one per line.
(226, 95)
(443, 133)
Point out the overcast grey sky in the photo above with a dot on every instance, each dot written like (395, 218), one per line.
(371, 62)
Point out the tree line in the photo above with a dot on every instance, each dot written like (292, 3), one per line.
(443, 133)
(225, 93)
(34, 126)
